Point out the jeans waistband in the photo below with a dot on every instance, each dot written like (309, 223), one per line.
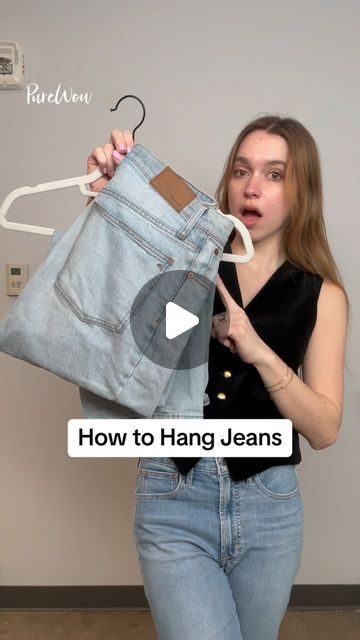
(216, 466)
(201, 213)
(211, 465)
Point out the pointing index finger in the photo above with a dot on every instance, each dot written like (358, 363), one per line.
(228, 300)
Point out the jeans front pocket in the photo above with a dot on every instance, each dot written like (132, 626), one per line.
(106, 268)
(156, 479)
(279, 482)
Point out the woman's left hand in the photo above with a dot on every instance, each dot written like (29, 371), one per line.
(234, 329)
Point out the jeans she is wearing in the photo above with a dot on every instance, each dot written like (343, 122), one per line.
(218, 557)
(73, 317)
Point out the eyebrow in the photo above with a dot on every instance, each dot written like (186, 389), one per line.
(268, 162)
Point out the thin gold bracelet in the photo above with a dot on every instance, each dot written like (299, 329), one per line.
(280, 381)
(284, 385)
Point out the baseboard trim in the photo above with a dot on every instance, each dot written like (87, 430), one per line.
(334, 596)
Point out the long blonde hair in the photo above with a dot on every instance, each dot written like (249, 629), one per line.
(305, 240)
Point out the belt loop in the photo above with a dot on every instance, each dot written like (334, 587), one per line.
(221, 466)
(192, 221)
(189, 477)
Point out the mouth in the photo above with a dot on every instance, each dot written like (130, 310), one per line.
(250, 211)
(250, 215)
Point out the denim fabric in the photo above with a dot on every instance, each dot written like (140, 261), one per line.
(73, 317)
(183, 397)
(218, 557)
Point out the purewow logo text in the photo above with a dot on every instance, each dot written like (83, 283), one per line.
(34, 95)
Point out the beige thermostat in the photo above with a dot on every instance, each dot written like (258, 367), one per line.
(12, 65)
(16, 278)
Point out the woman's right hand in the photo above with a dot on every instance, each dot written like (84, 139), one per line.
(108, 157)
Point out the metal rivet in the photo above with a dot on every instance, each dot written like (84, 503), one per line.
(190, 274)
(217, 251)
(227, 374)
(221, 396)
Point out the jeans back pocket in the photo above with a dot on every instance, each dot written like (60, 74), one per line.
(107, 266)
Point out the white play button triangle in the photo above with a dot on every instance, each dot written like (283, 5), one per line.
(178, 320)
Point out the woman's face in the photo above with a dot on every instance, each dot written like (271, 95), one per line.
(256, 188)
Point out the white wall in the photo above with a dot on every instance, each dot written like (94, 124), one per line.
(203, 69)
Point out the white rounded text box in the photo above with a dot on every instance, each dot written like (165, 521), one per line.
(183, 438)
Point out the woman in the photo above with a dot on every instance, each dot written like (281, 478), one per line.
(220, 540)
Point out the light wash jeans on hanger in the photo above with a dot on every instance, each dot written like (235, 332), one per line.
(73, 317)
(218, 557)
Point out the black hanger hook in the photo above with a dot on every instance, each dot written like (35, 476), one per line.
(142, 104)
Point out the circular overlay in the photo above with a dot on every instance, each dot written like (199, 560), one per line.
(152, 319)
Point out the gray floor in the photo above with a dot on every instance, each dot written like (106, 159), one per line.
(136, 625)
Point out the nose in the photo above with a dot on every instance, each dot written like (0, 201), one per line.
(252, 187)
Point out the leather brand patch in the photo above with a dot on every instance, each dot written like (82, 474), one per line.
(173, 189)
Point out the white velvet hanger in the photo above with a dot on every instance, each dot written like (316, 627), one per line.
(81, 182)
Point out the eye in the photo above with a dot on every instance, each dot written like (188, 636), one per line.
(278, 174)
(242, 172)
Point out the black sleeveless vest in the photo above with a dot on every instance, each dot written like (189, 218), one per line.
(283, 313)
